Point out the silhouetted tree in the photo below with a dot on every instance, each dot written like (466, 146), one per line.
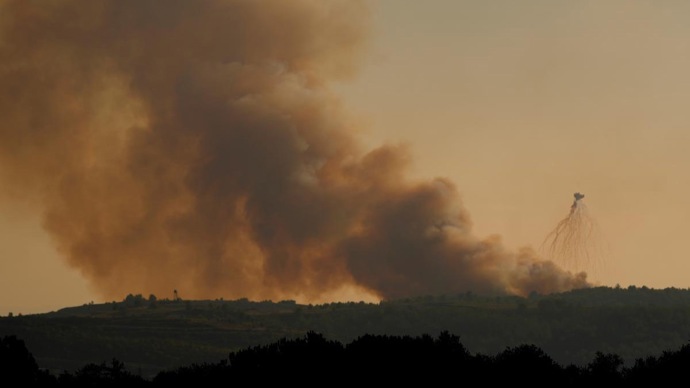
(526, 364)
(606, 369)
(102, 375)
(18, 366)
(668, 369)
(299, 359)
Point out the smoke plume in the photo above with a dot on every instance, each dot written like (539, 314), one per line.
(195, 145)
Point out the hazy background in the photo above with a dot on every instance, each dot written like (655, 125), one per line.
(520, 104)
(524, 103)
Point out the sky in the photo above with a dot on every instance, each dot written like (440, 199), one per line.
(520, 105)
(524, 103)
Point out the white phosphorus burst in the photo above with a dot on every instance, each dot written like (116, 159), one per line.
(576, 242)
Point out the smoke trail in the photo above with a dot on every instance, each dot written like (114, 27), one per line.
(194, 145)
(575, 242)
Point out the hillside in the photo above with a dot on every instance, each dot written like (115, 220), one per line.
(151, 335)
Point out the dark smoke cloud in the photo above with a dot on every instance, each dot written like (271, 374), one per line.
(194, 145)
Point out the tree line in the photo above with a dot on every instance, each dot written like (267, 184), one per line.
(152, 334)
(312, 360)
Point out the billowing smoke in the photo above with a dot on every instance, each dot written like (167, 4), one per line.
(194, 145)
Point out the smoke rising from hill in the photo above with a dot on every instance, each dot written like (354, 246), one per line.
(196, 146)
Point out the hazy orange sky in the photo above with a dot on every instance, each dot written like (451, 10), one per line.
(524, 103)
(520, 104)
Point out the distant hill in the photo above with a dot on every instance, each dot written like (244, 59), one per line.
(150, 335)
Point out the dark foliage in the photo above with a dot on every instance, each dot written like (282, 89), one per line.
(313, 360)
(102, 375)
(612, 335)
(151, 334)
(18, 366)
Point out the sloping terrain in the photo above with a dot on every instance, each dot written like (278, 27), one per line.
(150, 335)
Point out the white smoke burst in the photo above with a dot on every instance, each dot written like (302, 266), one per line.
(576, 243)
